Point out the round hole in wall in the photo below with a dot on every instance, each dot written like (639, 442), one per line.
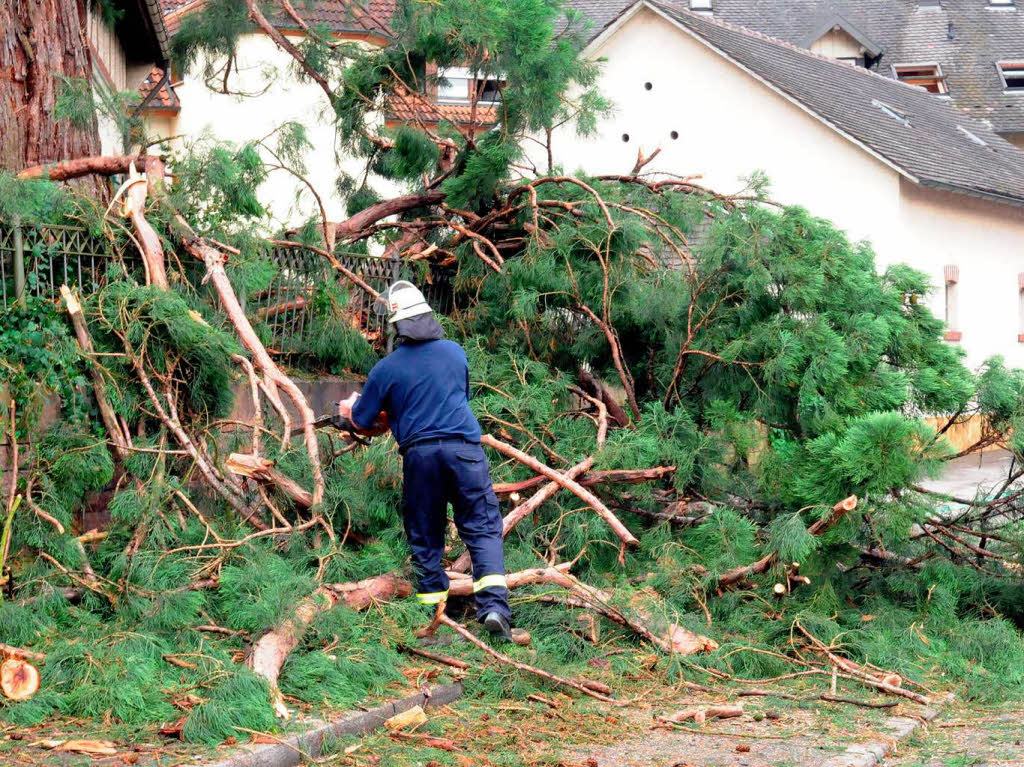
(648, 86)
(674, 134)
(625, 137)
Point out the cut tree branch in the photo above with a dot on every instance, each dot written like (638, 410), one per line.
(569, 484)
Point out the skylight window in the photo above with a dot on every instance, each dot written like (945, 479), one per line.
(1012, 74)
(701, 5)
(971, 136)
(893, 112)
(927, 76)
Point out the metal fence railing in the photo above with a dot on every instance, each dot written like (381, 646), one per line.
(37, 260)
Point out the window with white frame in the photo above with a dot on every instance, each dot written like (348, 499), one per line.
(701, 5)
(1001, 3)
(458, 84)
(1012, 74)
(927, 76)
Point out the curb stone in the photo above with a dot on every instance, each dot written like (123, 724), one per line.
(290, 751)
(872, 752)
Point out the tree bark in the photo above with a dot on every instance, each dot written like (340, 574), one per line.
(268, 654)
(597, 389)
(99, 385)
(591, 478)
(571, 485)
(40, 42)
(103, 165)
(272, 375)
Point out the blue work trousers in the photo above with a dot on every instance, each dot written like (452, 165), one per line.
(437, 472)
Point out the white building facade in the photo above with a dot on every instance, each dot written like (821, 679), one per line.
(712, 116)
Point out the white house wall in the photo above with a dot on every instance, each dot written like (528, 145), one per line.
(985, 240)
(239, 119)
(730, 124)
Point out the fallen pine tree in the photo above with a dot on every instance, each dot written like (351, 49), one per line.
(636, 341)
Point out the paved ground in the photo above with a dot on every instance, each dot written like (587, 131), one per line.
(812, 733)
(964, 475)
(981, 737)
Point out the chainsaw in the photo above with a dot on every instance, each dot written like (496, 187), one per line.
(343, 425)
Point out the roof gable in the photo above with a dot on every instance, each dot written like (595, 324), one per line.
(830, 21)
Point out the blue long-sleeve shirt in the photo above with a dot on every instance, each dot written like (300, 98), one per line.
(424, 389)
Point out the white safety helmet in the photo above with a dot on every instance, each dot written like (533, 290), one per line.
(404, 301)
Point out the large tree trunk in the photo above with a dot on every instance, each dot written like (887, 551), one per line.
(40, 41)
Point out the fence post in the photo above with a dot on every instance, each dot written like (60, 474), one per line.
(19, 265)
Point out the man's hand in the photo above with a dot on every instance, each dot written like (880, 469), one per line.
(379, 426)
(345, 406)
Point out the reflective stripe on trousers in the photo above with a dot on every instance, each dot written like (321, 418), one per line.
(432, 598)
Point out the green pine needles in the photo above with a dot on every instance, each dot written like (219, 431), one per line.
(750, 351)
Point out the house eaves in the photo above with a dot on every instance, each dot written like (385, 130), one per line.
(155, 16)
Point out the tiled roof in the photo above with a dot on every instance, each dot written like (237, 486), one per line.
(415, 107)
(165, 98)
(967, 37)
(176, 10)
(353, 16)
(922, 136)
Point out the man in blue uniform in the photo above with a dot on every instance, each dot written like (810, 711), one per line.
(421, 390)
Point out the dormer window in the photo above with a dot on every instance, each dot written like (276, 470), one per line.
(1010, 4)
(701, 5)
(1012, 74)
(459, 85)
(927, 76)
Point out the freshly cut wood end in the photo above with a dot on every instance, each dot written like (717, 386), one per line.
(19, 679)
(198, 317)
(410, 719)
(74, 307)
(779, 589)
(685, 642)
(247, 465)
(847, 504)
(521, 637)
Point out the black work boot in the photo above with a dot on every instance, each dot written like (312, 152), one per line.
(497, 625)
